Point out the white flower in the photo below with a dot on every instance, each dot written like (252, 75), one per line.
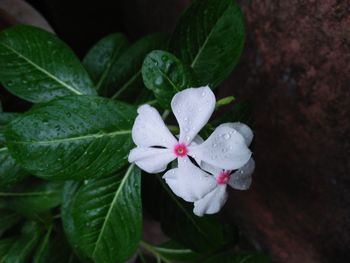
(212, 184)
(157, 147)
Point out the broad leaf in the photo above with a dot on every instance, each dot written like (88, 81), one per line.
(70, 190)
(200, 234)
(210, 37)
(18, 250)
(238, 257)
(104, 218)
(30, 200)
(100, 59)
(73, 137)
(37, 66)
(126, 79)
(165, 75)
(10, 172)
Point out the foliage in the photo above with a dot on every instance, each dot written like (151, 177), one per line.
(67, 191)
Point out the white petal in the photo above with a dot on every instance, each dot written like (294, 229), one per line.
(196, 141)
(242, 178)
(225, 148)
(192, 108)
(212, 202)
(150, 130)
(215, 171)
(243, 129)
(151, 160)
(188, 181)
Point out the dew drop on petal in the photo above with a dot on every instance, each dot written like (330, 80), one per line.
(203, 94)
(227, 136)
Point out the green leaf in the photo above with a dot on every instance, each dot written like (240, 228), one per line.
(100, 59)
(104, 218)
(37, 66)
(70, 229)
(54, 248)
(210, 37)
(126, 80)
(5, 118)
(200, 234)
(18, 250)
(34, 199)
(8, 219)
(73, 137)
(10, 172)
(238, 257)
(166, 75)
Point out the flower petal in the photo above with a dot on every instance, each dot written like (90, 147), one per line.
(151, 160)
(212, 202)
(215, 171)
(242, 178)
(225, 148)
(188, 181)
(243, 129)
(150, 130)
(192, 108)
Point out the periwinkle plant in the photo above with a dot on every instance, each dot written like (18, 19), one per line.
(68, 191)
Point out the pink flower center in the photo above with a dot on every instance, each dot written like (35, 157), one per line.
(223, 177)
(180, 150)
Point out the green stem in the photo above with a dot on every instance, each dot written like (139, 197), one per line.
(152, 250)
(165, 114)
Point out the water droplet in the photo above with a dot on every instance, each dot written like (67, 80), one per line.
(224, 150)
(158, 81)
(227, 136)
(188, 138)
(241, 171)
(156, 63)
(203, 94)
(214, 145)
(187, 129)
(186, 119)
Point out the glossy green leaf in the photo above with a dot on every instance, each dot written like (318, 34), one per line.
(8, 219)
(70, 190)
(200, 234)
(104, 217)
(166, 75)
(126, 80)
(73, 137)
(18, 250)
(37, 66)
(100, 59)
(30, 200)
(210, 37)
(10, 172)
(238, 257)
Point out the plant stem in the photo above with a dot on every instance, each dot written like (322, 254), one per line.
(153, 251)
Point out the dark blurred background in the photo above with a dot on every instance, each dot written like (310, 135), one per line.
(296, 72)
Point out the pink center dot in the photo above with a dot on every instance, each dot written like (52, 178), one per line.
(180, 150)
(223, 177)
